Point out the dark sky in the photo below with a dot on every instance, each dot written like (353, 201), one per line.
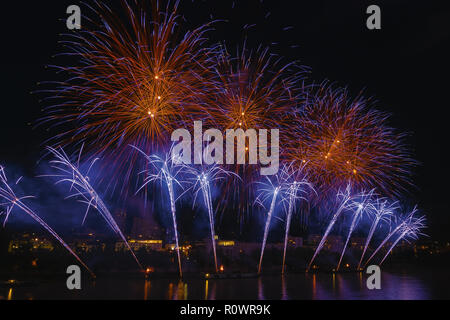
(405, 66)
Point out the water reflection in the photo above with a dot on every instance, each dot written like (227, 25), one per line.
(213, 291)
(177, 291)
(260, 289)
(147, 289)
(284, 294)
(361, 282)
(287, 287)
(170, 292)
(334, 284)
(314, 289)
(342, 289)
(185, 290)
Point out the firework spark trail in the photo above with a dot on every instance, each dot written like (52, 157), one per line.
(266, 229)
(292, 195)
(361, 206)
(285, 188)
(400, 226)
(288, 225)
(202, 180)
(268, 191)
(207, 198)
(382, 211)
(79, 184)
(346, 199)
(411, 229)
(8, 195)
(167, 171)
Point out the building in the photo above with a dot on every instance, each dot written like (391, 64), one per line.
(333, 243)
(358, 243)
(86, 245)
(32, 244)
(136, 245)
(314, 240)
(295, 242)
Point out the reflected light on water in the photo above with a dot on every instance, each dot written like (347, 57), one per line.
(334, 283)
(314, 287)
(185, 291)
(260, 290)
(212, 295)
(292, 286)
(342, 288)
(10, 294)
(361, 282)
(412, 289)
(147, 288)
(284, 294)
(180, 291)
(170, 292)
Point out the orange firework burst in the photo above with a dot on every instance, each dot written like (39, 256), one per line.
(343, 140)
(134, 82)
(255, 91)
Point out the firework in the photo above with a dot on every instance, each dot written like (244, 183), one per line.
(80, 187)
(411, 229)
(382, 210)
(8, 195)
(167, 169)
(202, 178)
(345, 199)
(294, 191)
(138, 77)
(359, 206)
(256, 91)
(345, 140)
(407, 226)
(275, 193)
(287, 186)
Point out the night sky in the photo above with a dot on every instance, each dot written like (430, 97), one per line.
(405, 66)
